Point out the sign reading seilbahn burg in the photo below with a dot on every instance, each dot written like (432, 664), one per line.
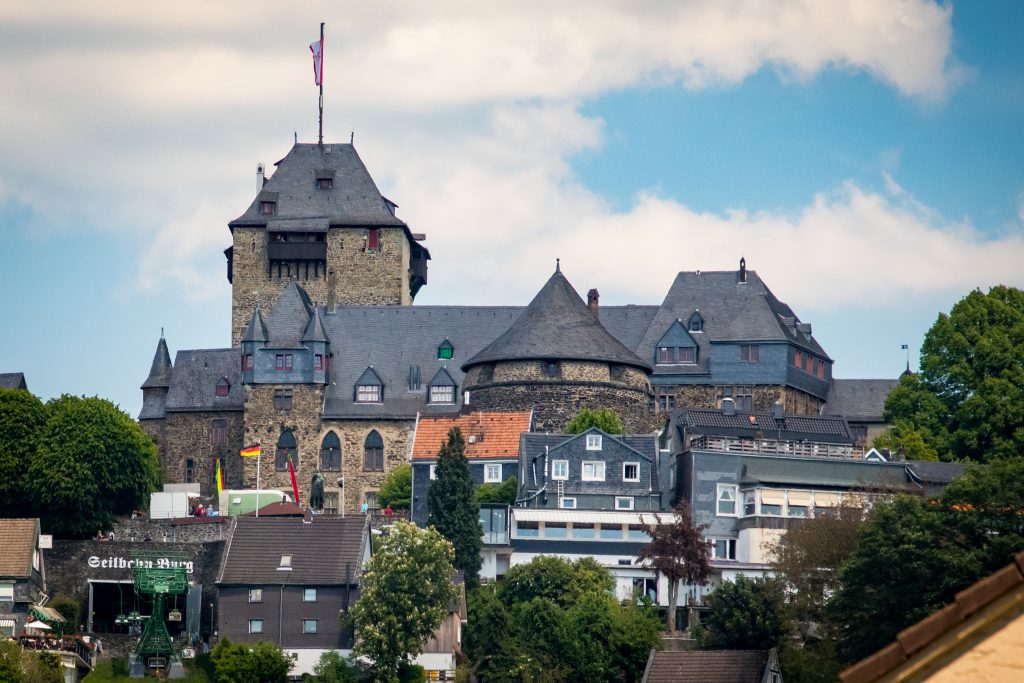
(117, 562)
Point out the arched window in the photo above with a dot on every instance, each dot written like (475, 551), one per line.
(330, 453)
(373, 453)
(287, 450)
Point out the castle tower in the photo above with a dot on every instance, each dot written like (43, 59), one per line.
(557, 358)
(154, 393)
(321, 222)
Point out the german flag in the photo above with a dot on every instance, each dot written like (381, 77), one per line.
(250, 451)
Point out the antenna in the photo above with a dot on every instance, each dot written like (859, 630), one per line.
(906, 347)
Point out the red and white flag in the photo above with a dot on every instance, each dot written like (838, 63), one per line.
(317, 49)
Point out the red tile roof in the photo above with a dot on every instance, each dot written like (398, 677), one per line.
(487, 434)
(17, 541)
(913, 639)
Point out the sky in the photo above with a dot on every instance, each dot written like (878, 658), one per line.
(866, 158)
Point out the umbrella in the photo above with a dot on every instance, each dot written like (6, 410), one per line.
(38, 624)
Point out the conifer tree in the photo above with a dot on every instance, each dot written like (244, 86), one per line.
(454, 511)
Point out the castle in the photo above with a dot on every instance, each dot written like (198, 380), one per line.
(331, 364)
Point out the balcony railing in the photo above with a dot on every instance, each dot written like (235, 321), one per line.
(805, 449)
(495, 537)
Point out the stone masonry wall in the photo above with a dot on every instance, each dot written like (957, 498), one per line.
(397, 436)
(795, 401)
(358, 275)
(555, 405)
(189, 436)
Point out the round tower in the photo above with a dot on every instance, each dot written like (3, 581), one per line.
(557, 358)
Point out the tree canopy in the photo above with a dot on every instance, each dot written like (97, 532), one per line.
(967, 401)
(556, 620)
(677, 551)
(263, 662)
(604, 419)
(74, 462)
(406, 591)
(747, 614)
(454, 511)
(396, 491)
(503, 493)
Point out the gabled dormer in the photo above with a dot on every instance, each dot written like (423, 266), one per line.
(441, 389)
(369, 388)
(255, 337)
(696, 322)
(676, 346)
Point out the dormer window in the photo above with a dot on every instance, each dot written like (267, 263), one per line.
(686, 355)
(285, 564)
(441, 388)
(223, 388)
(369, 388)
(593, 442)
(696, 322)
(445, 351)
(268, 208)
(325, 183)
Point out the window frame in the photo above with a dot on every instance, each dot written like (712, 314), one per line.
(373, 239)
(255, 626)
(247, 362)
(255, 595)
(594, 442)
(596, 465)
(375, 452)
(628, 502)
(223, 388)
(750, 353)
(284, 399)
(730, 548)
(268, 208)
(442, 394)
(733, 489)
(562, 503)
(310, 626)
(368, 393)
(560, 477)
(631, 464)
(325, 183)
(489, 478)
(306, 593)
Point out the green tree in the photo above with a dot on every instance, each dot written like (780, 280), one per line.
(904, 438)
(10, 662)
(396, 491)
(93, 462)
(604, 419)
(406, 591)
(22, 421)
(555, 579)
(747, 614)
(677, 550)
(967, 402)
(453, 509)
(42, 667)
(333, 668)
(263, 662)
(503, 493)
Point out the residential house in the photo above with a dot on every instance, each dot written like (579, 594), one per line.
(713, 666)
(287, 580)
(979, 637)
(22, 573)
(438, 657)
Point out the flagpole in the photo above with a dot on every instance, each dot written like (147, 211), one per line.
(320, 137)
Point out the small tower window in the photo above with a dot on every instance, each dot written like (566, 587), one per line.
(373, 239)
(268, 208)
(325, 183)
(246, 362)
(696, 322)
(223, 388)
(551, 368)
(445, 351)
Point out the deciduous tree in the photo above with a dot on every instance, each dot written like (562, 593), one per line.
(967, 402)
(678, 552)
(263, 662)
(22, 422)
(454, 511)
(747, 614)
(396, 491)
(406, 591)
(604, 419)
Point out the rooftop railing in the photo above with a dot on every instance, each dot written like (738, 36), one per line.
(803, 449)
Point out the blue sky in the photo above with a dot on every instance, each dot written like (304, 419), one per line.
(866, 159)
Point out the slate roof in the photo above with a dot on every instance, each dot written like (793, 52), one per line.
(160, 370)
(705, 666)
(935, 472)
(969, 606)
(495, 434)
(194, 381)
(256, 330)
(535, 445)
(12, 380)
(289, 318)
(557, 324)
(859, 400)
(354, 199)
(711, 422)
(733, 311)
(17, 542)
(319, 550)
(828, 472)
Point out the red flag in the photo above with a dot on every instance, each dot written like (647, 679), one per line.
(295, 483)
(317, 49)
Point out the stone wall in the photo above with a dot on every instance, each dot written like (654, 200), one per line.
(397, 436)
(796, 402)
(356, 274)
(555, 405)
(189, 436)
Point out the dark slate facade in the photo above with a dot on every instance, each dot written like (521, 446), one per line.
(601, 471)
(422, 469)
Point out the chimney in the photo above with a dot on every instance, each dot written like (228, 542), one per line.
(743, 269)
(592, 297)
(728, 406)
(260, 180)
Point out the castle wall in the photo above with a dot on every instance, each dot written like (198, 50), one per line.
(191, 436)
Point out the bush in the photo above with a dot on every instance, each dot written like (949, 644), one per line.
(70, 609)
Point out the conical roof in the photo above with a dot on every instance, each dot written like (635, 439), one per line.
(315, 329)
(160, 370)
(257, 329)
(557, 325)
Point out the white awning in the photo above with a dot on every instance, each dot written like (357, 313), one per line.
(590, 517)
(772, 497)
(800, 498)
(826, 500)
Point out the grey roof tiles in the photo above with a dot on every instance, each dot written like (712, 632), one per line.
(194, 381)
(12, 380)
(160, 370)
(860, 400)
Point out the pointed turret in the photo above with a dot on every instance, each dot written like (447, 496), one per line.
(158, 383)
(256, 330)
(315, 329)
(315, 339)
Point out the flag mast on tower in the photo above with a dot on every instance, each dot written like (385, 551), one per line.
(317, 49)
